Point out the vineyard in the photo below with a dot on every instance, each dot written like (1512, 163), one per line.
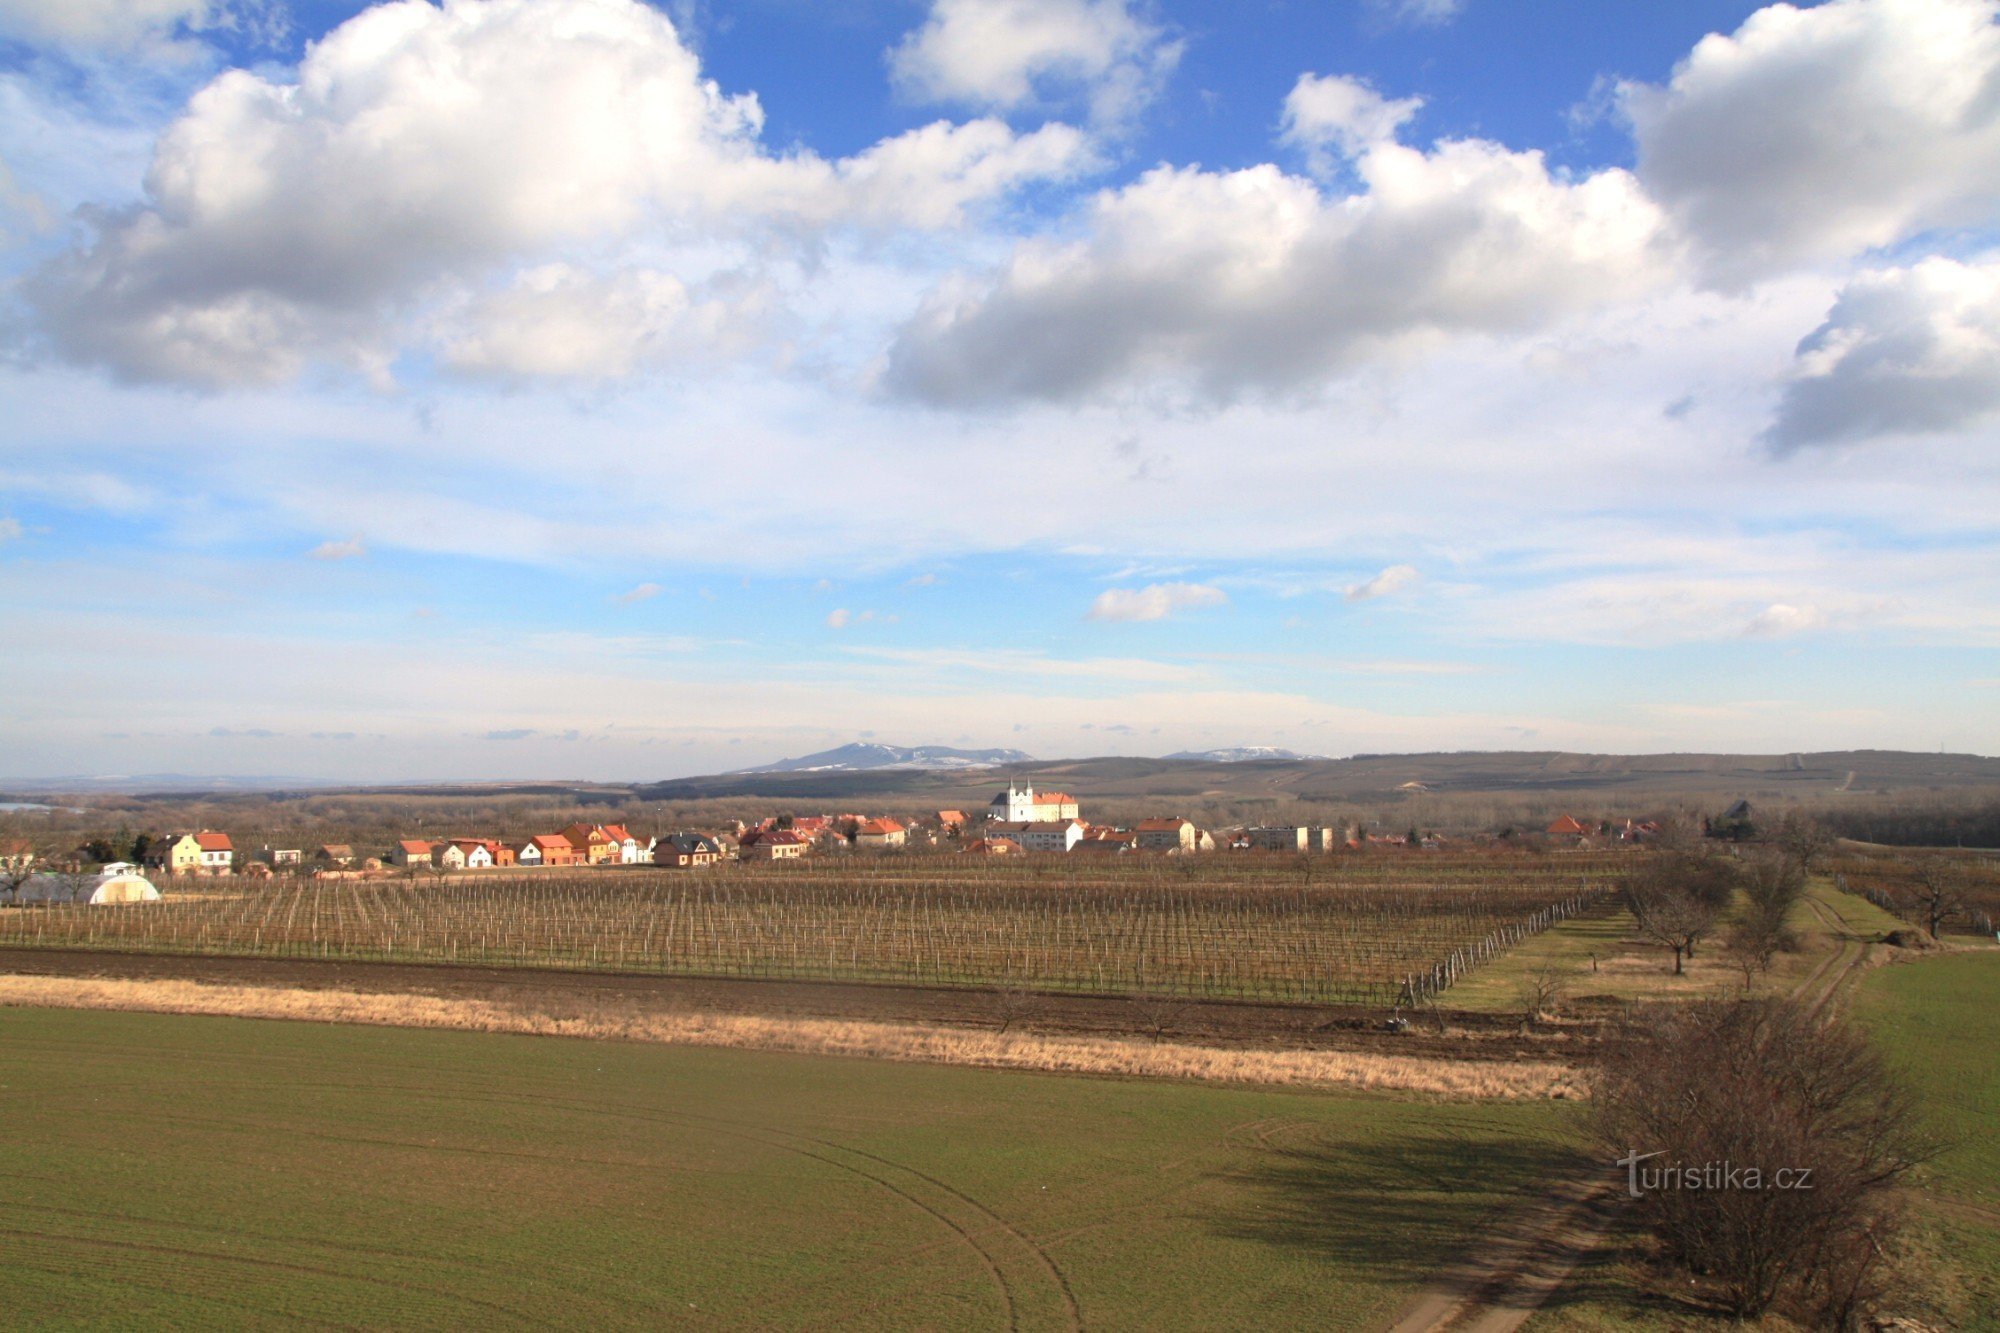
(1356, 933)
(1892, 882)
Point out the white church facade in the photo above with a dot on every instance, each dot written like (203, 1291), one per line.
(1024, 805)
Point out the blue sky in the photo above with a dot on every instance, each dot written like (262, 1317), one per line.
(575, 387)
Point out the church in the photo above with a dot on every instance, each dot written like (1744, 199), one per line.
(1022, 805)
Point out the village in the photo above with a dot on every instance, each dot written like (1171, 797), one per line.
(1019, 821)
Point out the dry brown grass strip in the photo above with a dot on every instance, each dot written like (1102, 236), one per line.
(881, 1041)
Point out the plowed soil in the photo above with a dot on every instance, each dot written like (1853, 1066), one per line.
(1245, 1024)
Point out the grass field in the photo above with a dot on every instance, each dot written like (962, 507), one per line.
(166, 1171)
(1938, 1020)
(1601, 955)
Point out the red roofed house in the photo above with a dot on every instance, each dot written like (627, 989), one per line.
(953, 821)
(411, 852)
(880, 833)
(218, 853)
(1165, 835)
(993, 847)
(631, 851)
(1568, 827)
(593, 844)
(556, 850)
(777, 845)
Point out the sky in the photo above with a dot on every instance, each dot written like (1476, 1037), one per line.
(590, 389)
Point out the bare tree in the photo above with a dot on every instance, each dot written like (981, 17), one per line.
(1542, 993)
(1772, 889)
(1804, 840)
(1015, 1004)
(16, 868)
(1763, 1149)
(1940, 890)
(1678, 899)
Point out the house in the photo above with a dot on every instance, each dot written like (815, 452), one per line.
(951, 821)
(279, 856)
(16, 854)
(631, 851)
(1111, 846)
(993, 847)
(1020, 805)
(218, 853)
(594, 846)
(502, 854)
(777, 845)
(334, 854)
(553, 849)
(1040, 835)
(880, 834)
(812, 826)
(1567, 826)
(1165, 835)
(1280, 838)
(475, 853)
(203, 853)
(411, 853)
(448, 856)
(686, 851)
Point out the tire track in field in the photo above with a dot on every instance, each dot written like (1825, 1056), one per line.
(961, 1234)
(1840, 967)
(280, 1265)
(973, 1232)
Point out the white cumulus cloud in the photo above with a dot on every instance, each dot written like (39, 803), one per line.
(1393, 579)
(1005, 55)
(1815, 133)
(1782, 618)
(1904, 351)
(1343, 112)
(1254, 282)
(1155, 601)
(421, 148)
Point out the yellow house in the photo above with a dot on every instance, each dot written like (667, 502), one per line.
(182, 855)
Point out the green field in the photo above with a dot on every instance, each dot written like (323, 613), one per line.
(1938, 1020)
(167, 1171)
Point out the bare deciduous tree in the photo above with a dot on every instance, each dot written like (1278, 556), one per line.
(1678, 899)
(1804, 840)
(1814, 1131)
(1940, 890)
(1542, 993)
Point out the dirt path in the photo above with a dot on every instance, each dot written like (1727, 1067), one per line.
(1499, 1285)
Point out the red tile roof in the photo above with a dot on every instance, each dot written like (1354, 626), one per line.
(556, 841)
(214, 842)
(616, 832)
(879, 827)
(413, 846)
(1567, 825)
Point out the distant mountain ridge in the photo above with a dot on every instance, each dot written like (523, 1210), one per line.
(867, 757)
(1245, 754)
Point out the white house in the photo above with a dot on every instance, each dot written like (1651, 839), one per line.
(1040, 835)
(530, 854)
